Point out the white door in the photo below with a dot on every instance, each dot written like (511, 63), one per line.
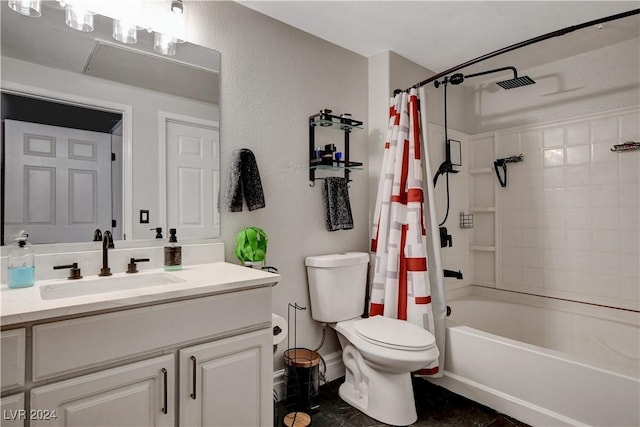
(57, 182)
(228, 382)
(192, 176)
(137, 395)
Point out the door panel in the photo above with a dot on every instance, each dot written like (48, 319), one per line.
(193, 166)
(58, 184)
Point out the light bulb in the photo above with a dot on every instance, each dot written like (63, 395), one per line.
(78, 19)
(26, 7)
(164, 44)
(124, 32)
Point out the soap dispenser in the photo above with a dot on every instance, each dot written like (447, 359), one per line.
(22, 271)
(172, 253)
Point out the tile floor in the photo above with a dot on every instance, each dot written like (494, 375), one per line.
(437, 407)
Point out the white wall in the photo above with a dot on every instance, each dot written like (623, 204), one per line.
(601, 80)
(273, 78)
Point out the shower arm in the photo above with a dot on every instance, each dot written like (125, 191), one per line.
(482, 73)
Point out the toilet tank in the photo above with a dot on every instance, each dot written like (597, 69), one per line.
(337, 285)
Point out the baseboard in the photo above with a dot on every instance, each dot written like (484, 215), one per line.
(334, 370)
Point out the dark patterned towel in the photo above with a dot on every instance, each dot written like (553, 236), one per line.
(338, 208)
(244, 178)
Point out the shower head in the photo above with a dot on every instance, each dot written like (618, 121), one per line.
(516, 82)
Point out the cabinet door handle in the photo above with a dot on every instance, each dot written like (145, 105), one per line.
(194, 372)
(165, 407)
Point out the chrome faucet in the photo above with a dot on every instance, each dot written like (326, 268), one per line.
(107, 243)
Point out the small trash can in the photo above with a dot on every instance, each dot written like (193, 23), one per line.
(302, 378)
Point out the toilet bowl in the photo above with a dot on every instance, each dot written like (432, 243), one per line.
(379, 353)
(378, 366)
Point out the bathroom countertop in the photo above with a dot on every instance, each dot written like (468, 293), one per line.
(27, 305)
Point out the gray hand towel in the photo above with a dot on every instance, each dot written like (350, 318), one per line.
(338, 208)
(244, 179)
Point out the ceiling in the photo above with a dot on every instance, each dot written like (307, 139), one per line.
(442, 34)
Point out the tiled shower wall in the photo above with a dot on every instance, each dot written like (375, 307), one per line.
(568, 222)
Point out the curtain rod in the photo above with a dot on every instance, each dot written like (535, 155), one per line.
(543, 37)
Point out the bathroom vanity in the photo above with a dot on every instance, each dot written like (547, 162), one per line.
(192, 347)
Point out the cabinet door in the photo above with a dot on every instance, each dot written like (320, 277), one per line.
(137, 395)
(12, 357)
(228, 382)
(13, 413)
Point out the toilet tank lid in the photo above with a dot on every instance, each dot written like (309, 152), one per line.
(337, 260)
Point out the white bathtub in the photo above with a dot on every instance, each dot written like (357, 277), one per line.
(543, 361)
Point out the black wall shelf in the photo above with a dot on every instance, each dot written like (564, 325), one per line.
(325, 159)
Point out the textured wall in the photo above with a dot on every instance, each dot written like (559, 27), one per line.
(273, 78)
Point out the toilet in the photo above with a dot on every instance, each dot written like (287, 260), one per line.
(378, 352)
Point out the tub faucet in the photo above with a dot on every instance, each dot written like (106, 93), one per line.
(451, 273)
(107, 243)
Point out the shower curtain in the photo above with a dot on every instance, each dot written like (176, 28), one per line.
(407, 270)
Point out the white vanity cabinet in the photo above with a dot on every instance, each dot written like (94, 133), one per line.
(223, 383)
(132, 365)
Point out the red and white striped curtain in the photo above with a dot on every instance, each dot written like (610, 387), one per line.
(401, 286)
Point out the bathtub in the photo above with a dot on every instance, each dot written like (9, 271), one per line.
(544, 361)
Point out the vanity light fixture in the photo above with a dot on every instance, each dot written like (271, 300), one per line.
(164, 44)
(176, 7)
(125, 32)
(78, 18)
(26, 7)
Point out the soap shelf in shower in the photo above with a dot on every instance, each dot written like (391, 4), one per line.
(627, 146)
(481, 209)
(482, 248)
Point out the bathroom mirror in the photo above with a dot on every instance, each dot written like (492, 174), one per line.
(55, 76)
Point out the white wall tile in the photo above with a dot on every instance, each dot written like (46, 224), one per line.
(555, 218)
(532, 257)
(555, 238)
(605, 218)
(579, 239)
(533, 178)
(532, 218)
(578, 197)
(630, 167)
(511, 255)
(554, 178)
(532, 238)
(629, 265)
(578, 261)
(629, 195)
(553, 137)
(603, 196)
(533, 198)
(606, 240)
(604, 129)
(629, 218)
(577, 176)
(578, 155)
(579, 218)
(578, 133)
(601, 152)
(555, 198)
(553, 157)
(604, 173)
(629, 127)
(630, 242)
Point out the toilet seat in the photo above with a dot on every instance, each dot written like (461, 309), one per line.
(393, 333)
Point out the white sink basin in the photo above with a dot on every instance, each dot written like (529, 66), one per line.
(107, 284)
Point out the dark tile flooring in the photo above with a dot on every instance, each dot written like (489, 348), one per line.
(437, 407)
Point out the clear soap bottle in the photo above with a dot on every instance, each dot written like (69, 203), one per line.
(172, 253)
(21, 271)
